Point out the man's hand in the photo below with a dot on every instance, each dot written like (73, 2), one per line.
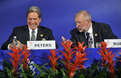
(64, 40)
(19, 45)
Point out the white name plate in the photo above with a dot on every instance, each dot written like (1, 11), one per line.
(48, 44)
(113, 43)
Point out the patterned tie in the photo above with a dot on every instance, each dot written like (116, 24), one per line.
(33, 36)
(87, 34)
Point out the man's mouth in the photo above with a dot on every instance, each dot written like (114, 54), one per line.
(32, 25)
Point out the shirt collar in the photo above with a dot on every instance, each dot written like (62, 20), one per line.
(34, 29)
(90, 29)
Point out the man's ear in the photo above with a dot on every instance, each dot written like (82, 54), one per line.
(40, 19)
(88, 20)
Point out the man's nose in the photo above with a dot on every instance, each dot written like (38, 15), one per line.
(77, 25)
(32, 21)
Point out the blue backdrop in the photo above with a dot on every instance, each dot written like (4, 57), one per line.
(58, 15)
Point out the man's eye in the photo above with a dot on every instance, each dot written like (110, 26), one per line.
(35, 19)
(79, 22)
(30, 18)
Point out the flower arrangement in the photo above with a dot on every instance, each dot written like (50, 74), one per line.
(68, 64)
(15, 61)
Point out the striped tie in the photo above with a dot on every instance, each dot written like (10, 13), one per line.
(33, 36)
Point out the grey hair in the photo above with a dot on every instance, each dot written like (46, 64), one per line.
(86, 15)
(34, 9)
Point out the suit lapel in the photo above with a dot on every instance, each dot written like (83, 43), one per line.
(82, 38)
(95, 33)
(26, 34)
(39, 33)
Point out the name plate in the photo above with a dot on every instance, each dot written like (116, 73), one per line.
(48, 44)
(113, 43)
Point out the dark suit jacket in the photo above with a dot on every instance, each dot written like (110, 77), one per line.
(101, 31)
(22, 34)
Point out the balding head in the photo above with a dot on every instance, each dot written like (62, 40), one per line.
(85, 14)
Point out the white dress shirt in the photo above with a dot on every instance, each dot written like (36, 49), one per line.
(91, 34)
(30, 33)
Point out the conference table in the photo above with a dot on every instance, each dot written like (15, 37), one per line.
(41, 56)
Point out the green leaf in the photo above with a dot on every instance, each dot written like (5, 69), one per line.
(63, 73)
(104, 71)
(24, 75)
(22, 67)
(9, 72)
(7, 64)
(62, 61)
(81, 76)
(51, 72)
(40, 68)
(2, 74)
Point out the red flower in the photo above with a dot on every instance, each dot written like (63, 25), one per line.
(78, 64)
(16, 57)
(80, 58)
(53, 59)
(73, 68)
(68, 55)
(82, 54)
(120, 54)
(69, 62)
(107, 57)
(103, 47)
(67, 45)
(72, 74)
(103, 52)
(25, 58)
(80, 47)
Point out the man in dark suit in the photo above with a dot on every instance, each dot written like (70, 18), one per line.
(86, 30)
(31, 31)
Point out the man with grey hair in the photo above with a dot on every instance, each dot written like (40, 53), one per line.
(31, 31)
(88, 31)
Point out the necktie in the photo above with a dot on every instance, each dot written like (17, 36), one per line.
(33, 36)
(89, 40)
(87, 34)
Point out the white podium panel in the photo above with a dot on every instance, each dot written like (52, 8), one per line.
(48, 44)
(113, 43)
